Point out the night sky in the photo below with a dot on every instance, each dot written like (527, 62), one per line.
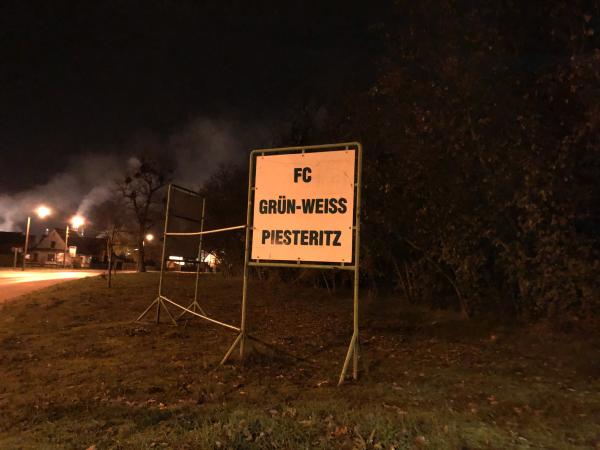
(87, 76)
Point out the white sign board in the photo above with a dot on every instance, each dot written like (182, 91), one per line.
(304, 207)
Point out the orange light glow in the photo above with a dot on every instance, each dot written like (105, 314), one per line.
(77, 222)
(43, 211)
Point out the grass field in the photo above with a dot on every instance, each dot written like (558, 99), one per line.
(75, 372)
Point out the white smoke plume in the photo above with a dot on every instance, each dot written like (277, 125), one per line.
(89, 179)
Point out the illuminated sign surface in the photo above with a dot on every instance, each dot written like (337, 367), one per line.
(304, 207)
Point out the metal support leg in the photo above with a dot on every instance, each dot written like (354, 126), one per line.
(195, 306)
(168, 312)
(242, 336)
(355, 360)
(353, 348)
(147, 310)
(158, 301)
(349, 354)
(232, 348)
(158, 305)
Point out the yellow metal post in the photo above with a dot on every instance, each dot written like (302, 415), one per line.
(199, 259)
(242, 336)
(195, 306)
(164, 249)
(159, 299)
(354, 342)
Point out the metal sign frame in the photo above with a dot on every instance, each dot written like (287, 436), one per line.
(161, 301)
(353, 348)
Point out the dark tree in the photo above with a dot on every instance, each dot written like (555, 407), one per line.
(481, 138)
(226, 198)
(109, 221)
(141, 189)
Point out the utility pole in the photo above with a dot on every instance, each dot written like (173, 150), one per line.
(110, 242)
(26, 241)
(66, 247)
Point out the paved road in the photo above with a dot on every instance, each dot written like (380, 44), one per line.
(14, 283)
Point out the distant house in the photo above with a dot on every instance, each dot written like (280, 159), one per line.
(82, 251)
(9, 241)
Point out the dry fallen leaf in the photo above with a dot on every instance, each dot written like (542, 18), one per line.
(420, 441)
(340, 431)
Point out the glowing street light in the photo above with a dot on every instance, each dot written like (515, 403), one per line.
(77, 222)
(42, 212)
(149, 237)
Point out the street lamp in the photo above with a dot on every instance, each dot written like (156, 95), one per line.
(42, 212)
(77, 222)
(147, 239)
